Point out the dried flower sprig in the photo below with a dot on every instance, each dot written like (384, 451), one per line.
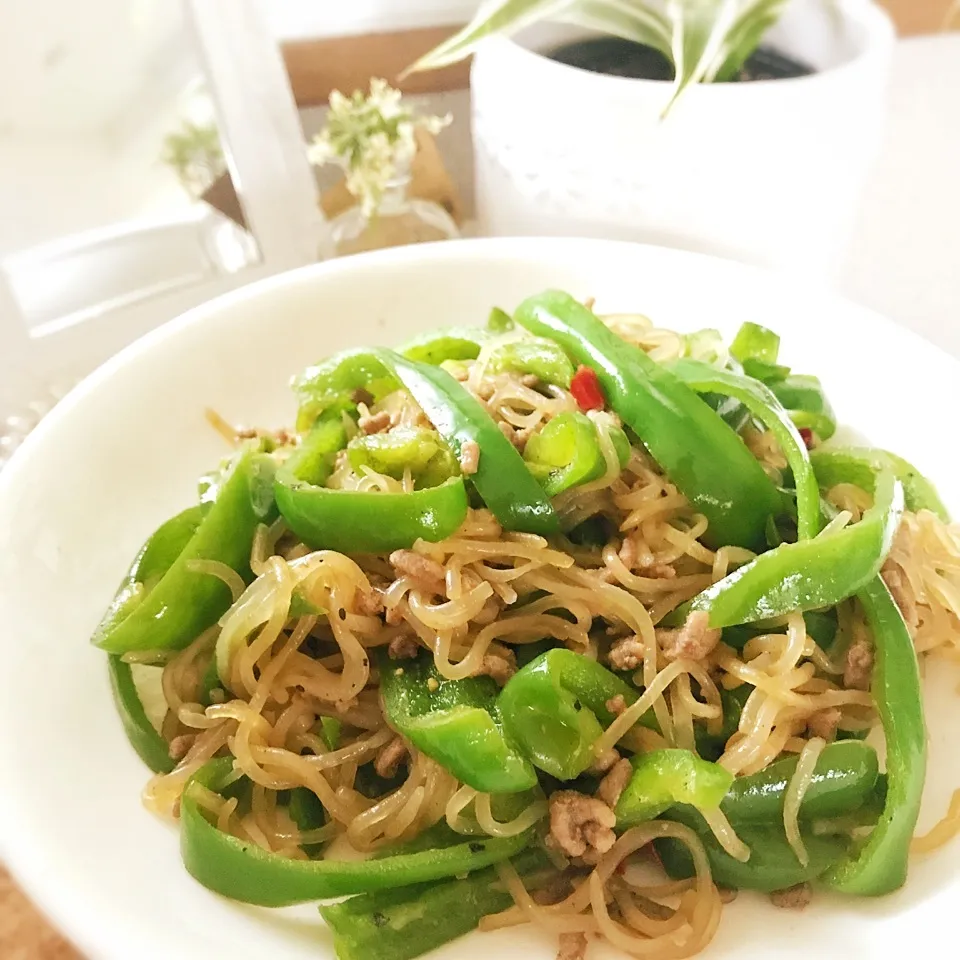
(373, 137)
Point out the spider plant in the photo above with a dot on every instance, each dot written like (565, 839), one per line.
(705, 40)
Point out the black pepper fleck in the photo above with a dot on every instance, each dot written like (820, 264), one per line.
(379, 920)
(477, 847)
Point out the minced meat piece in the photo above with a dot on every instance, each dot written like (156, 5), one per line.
(615, 782)
(581, 826)
(616, 705)
(573, 946)
(389, 757)
(824, 723)
(404, 647)
(858, 665)
(793, 898)
(469, 457)
(693, 641)
(375, 423)
(626, 654)
(427, 574)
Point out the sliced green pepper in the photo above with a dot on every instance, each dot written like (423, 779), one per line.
(764, 406)
(452, 343)
(500, 478)
(859, 465)
(456, 722)
(567, 452)
(754, 342)
(663, 778)
(184, 603)
(406, 923)
(543, 358)
(499, 321)
(881, 865)
(844, 780)
(809, 574)
(422, 452)
(245, 872)
(699, 452)
(555, 709)
(152, 749)
(809, 407)
(353, 521)
(772, 865)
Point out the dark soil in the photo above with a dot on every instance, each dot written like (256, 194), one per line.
(624, 58)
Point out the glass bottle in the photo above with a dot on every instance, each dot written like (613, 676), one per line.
(400, 219)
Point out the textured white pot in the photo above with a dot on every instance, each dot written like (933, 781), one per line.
(768, 171)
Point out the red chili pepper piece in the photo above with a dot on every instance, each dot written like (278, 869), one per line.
(806, 435)
(586, 389)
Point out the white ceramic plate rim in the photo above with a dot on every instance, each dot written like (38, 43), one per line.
(88, 921)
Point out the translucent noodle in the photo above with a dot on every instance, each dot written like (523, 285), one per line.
(942, 832)
(796, 788)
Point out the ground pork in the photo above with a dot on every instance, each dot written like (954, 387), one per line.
(858, 665)
(615, 782)
(374, 423)
(693, 641)
(573, 946)
(427, 574)
(899, 588)
(369, 604)
(581, 826)
(404, 647)
(180, 746)
(793, 898)
(500, 668)
(389, 757)
(626, 654)
(616, 705)
(604, 762)
(824, 723)
(469, 457)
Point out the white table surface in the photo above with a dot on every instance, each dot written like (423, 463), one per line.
(905, 260)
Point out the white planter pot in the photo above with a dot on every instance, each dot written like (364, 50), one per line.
(768, 171)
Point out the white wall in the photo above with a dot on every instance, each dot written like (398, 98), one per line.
(291, 19)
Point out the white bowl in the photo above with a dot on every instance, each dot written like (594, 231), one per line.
(124, 450)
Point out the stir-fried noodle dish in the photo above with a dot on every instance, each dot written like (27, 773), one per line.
(567, 620)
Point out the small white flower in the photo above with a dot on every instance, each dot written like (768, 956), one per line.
(373, 138)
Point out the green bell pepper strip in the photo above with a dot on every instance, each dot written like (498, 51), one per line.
(353, 521)
(880, 866)
(555, 709)
(416, 449)
(154, 559)
(501, 479)
(332, 384)
(543, 358)
(245, 872)
(567, 452)
(844, 780)
(405, 923)
(184, 603)
(663, 778)
(809, 407)
(499, 321)
(764, 406)
(698, 451)
(152, 749)
(859, 465)
(450, 343)
(809, 574)
(772, 865)
(709, 745)
(456, 722)
(754, 342)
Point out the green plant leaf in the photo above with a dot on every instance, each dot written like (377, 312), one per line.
(745, 35)
(627, 19)
(493, 18)
(700, 29)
